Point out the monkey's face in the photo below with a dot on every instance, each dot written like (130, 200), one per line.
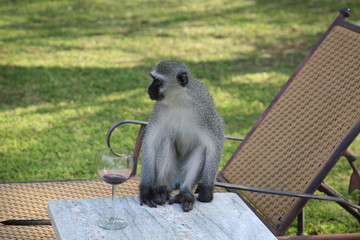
(166, 83)
(155, 89)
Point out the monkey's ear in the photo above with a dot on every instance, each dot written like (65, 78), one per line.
(182, 78)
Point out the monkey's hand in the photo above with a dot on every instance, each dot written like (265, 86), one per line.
(205, 193)
(160, 195)
(154, 196)
(186, 198)
(146, 196)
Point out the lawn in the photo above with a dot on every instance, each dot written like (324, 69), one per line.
(70, 69)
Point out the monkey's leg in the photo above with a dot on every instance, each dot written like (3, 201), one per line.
(212, 162)
(191, 171)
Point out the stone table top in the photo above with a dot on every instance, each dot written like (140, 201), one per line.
(226, 217)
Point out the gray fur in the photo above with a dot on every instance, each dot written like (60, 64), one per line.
(184, 138)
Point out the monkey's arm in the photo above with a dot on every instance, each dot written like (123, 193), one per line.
(147, 177)
(148, 166)
(152, 190)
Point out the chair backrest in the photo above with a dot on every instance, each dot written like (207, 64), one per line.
(304, 131)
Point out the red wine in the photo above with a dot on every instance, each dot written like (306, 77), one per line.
(114, 178)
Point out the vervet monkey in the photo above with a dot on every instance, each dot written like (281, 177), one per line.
(184, 139)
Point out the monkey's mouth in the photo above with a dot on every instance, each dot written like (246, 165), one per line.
(156, 97)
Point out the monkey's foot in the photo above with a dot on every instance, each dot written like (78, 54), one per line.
(160, 195)
(186, 198)
(205, 193)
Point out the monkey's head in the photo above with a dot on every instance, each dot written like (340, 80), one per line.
(167, 75)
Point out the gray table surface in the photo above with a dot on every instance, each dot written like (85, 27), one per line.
(226, 217)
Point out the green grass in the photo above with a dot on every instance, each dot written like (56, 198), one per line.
(69, 69)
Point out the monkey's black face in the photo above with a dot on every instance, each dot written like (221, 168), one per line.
(154, 90)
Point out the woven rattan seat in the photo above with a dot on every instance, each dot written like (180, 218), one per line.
(28, 201)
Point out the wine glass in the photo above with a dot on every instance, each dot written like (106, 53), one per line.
(114, 166)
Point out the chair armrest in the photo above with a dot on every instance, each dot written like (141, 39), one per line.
(234, 138)
(137, 147)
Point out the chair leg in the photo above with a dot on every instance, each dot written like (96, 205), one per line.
(355, 176)
(324, 187)
(301, 223)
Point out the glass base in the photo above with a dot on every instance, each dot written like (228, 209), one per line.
(112, 223)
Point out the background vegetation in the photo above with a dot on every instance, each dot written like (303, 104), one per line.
(70, 69)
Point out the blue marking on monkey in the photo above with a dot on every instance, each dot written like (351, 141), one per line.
(176, 184)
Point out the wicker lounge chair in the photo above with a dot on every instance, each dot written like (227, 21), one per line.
(304, 131)
(291, 148)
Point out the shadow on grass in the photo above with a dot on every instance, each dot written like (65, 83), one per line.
(27, 86)
(75, 19)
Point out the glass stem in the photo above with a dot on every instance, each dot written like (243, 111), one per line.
(112, 214)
